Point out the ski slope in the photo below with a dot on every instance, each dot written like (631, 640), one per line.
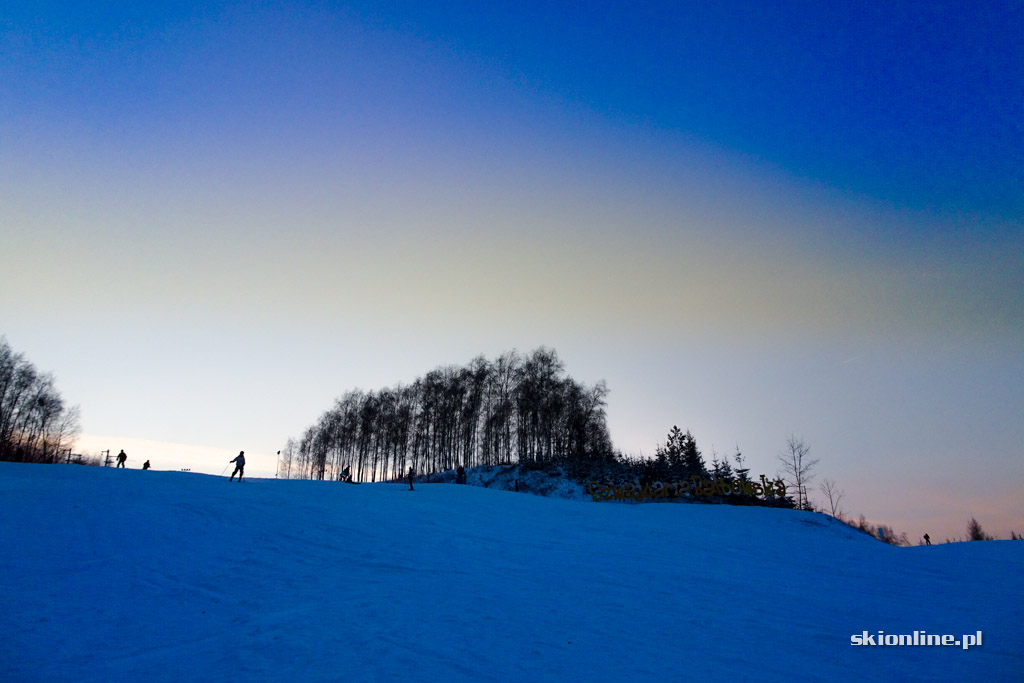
(125, 575)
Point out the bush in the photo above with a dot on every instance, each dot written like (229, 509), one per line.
(975, 532)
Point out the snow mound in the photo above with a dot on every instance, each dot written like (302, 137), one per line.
(549, 481)
(114, 575)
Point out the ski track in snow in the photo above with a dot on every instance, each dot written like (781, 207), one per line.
(129, 575)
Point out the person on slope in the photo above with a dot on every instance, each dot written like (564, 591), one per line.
(145, 465)
(239, 461)
(121, 457)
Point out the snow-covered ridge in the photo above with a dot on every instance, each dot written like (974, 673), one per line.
(549, 481)
(132, 575)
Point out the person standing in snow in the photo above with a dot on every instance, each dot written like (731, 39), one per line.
(460, 475)
(121, 457)
(412, 473)
(239, 461)
(145, 465)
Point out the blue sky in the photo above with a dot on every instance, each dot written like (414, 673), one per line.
(914, 103)
(751, 221)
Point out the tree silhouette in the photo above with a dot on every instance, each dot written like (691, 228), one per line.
(516, 408)
(975, 532)
(35, 425)
(798, 467)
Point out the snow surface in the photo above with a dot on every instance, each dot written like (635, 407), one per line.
(550, 482)
(120, 575)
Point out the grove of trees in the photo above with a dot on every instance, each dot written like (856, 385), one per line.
(514, 409)
(35, 425)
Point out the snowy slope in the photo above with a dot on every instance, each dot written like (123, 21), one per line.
(113, 575)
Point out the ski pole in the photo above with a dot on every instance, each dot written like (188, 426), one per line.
(225, 469)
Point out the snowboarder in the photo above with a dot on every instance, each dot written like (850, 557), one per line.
(121, 457)
(145, 465)
(239, 461)
(460, 475)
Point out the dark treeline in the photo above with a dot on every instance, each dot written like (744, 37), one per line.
(515, 409)
(35, 426)
(679, 460)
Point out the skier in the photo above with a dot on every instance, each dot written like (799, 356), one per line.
(412, 473)
(927, 539)
(239, 461)
(121, 457)
(346, 475)
(460, 475)
(145, 465)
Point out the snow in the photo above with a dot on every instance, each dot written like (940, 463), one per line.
(129, 575)
(547, 481)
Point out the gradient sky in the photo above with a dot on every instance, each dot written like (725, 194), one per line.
(750, 221)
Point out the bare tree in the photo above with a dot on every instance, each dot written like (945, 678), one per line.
(834, 495)
(514, 408)
(35, 426)
(797, 467)
(285, 459)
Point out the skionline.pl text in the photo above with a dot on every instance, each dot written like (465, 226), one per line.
(918, 638)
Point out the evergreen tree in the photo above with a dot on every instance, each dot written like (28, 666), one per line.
(660, 468)
(692, 462)
(720, 469)
(975, 532)
(668, 459)
(741, 470)
(680, 456)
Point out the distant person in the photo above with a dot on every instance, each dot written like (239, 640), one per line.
(121, 457)
(239, 461)
(145, 465)
(412, 473)
(346, 475)
(460, 475)
(927, 539)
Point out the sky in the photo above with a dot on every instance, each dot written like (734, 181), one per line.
(752, 222)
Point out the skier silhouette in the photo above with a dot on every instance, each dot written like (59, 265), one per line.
(121, 457)
(145, 465)
(927, 539)
(239, 461)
